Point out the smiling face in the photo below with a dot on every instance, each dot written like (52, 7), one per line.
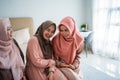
(64, 31)
(48, 33)
(5, 29)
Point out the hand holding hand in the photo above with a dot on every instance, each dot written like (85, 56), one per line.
(72, 66)
(64, 65)
(52, 62)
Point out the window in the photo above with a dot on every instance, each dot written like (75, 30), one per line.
(106, 25)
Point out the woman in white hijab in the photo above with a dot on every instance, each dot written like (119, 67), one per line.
(11, 57)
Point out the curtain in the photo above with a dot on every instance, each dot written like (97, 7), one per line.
(106, 27)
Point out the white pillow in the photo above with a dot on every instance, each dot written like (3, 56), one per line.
(21, 36)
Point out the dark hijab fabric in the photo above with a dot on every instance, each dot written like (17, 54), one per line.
(45, 44)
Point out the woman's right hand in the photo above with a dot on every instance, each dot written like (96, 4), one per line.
(52, 62)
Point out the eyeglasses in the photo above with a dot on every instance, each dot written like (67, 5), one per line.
(9, 28)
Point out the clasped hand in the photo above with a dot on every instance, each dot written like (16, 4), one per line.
(67, 66)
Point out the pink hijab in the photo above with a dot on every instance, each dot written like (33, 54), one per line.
(66, 48)
(9, 53)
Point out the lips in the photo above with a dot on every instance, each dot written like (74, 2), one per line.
(47, 36)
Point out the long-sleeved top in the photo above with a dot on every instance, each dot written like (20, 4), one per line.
(36, 63)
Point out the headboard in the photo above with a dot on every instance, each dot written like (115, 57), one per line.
(22, 22)
(23, 28)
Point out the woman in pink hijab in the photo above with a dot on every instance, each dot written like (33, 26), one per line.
(67, 45)
(11, 56)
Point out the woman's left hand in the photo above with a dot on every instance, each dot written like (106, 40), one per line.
(72, 66)
(68, 66)
(64, 65)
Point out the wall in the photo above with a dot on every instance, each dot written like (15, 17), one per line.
(42, 10)
(88, 12)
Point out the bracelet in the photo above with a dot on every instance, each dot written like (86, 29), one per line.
(51, 71)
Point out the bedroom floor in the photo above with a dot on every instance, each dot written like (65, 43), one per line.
(108, 66)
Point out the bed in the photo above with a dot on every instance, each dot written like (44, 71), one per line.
(23, 28)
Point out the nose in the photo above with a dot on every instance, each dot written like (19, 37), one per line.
(63, 33)
(50, 34)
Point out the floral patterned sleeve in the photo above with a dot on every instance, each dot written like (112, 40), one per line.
(76, 62)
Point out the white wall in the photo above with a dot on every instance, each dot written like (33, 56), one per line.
(42, 10)
(88, 12)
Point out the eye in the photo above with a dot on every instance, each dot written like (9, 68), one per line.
(52, 31)
(66, 30)
(61, 30)
(9, 28)
(48, 30)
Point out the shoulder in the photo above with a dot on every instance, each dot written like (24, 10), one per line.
(33, 40)
(79, 40)
(55, 38)
(15, 42)
(79, 37)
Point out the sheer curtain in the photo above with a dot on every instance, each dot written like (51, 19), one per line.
(106, 26)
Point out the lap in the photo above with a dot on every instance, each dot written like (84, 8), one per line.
(58, 75)
(70, 74)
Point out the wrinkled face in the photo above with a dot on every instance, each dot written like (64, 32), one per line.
(64, 31)
(48, 33)
(9, 33)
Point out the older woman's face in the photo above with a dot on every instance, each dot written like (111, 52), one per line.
(64, 31)
(9, 32)
(48, 33)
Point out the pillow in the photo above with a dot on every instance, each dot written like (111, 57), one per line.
(21, 36)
